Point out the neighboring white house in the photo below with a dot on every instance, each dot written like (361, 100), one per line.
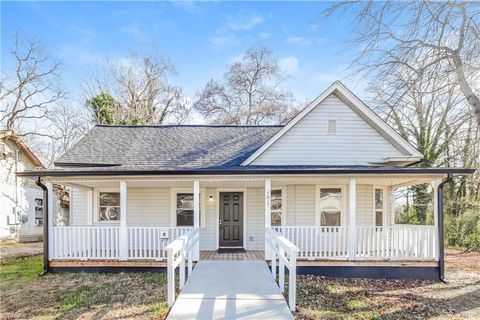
(323, 184)
(21, 200)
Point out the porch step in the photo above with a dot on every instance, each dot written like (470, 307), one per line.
(230, 290)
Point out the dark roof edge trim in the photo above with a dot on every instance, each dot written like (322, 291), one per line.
(458, 171)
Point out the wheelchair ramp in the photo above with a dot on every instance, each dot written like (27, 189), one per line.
(230, 290)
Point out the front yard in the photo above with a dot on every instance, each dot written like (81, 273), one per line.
(24, 295)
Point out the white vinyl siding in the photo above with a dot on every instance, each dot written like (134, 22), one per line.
(365, 216)
(78, 207)
(255, 219)
(208, 235)
(308, 141)
(148, 207)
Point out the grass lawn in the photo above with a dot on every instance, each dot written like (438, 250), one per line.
(25, 295)
(459, 298)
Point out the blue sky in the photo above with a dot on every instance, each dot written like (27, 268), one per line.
(200, 39)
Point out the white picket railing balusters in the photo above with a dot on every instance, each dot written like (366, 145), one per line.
(287, 253)
(396, 242)
(186, 247)
(317, 242)
(103, 243)
(148, 243)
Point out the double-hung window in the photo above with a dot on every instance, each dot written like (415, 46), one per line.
(379, 207)
(276, 209)
(109, 206)
(184, 209)
(330, 206)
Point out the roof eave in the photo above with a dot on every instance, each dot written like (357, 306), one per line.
(280, 171)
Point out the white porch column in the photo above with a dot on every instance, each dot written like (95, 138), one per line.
(436, 246)
(352, 208)
(196, 203)
(268, 215)
(196, 216)
(51, 208)
(268, 203)
(123, 245)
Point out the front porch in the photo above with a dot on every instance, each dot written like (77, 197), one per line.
(329, 218)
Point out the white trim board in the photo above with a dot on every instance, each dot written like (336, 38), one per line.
(358, 106)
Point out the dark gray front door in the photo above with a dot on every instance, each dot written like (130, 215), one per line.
(231, 219)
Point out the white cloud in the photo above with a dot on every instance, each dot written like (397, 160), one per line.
(265, 35)
(133, 30)
(222, 39)
(229, 32)
(244, 22)
(304, 41)
(289, 64)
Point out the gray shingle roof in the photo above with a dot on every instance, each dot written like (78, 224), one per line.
(168, 147)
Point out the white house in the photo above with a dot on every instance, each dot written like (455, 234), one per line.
(21, 201)
(322, 185)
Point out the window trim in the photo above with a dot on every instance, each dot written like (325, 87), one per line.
(173, 206)
(96, 207)
(384, 190)
(284, 204)
(336, 126)
(343, 209)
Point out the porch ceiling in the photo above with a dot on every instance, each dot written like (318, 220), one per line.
(243, 181)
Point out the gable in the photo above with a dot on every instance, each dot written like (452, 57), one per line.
(307, 142)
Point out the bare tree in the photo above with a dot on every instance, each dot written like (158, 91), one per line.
(251, 92)
(33, 87)
(418, 36)
(141, 91)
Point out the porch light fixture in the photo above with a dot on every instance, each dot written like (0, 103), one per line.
(210, 197)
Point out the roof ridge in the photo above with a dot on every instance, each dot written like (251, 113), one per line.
(189, 126)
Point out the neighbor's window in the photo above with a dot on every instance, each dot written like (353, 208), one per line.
(38, 211)
(330, 206)
(276, 207)
(109, 206)
(185, 209)
(379, 208)
(332, 126)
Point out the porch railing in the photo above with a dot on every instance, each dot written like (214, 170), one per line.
(103, 243)
(151, 242)
(397, 242)
(286, 252)
(184, 248)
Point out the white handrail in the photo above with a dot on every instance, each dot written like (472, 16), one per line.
(287, 257)
(185, 247)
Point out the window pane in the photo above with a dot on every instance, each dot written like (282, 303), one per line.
(276, 200)
(276, 219)
(330, 206)
(378, 218)
(331, 199)
(330, 218)
(378, 198)
(109, 199)
(184, 209)
(108, 213)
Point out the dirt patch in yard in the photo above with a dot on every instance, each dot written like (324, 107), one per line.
(25, 295)
(14, 250)
(459, 298)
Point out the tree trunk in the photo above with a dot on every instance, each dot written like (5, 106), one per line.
(465, 87)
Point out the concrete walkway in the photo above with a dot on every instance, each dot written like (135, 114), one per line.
(230, 290)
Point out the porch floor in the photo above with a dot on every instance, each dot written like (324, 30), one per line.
(230, 290)
(249, 255)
